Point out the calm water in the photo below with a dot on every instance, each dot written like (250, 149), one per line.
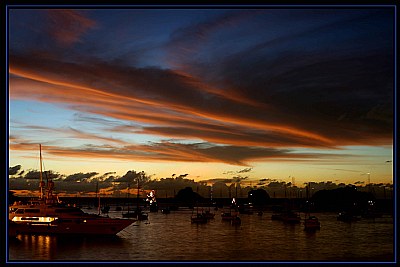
(172, 237)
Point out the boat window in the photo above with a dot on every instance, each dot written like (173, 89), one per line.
(19, 211)
(29, 219)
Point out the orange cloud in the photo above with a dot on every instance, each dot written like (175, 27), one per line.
(131, 104)
(173, 105)
(169, 151)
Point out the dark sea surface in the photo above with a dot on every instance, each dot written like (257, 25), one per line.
(173, 238)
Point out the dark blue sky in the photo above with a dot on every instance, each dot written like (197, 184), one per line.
(242, 87)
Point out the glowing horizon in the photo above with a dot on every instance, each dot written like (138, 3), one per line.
(204, 92)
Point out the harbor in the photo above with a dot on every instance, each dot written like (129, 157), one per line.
(173, 238)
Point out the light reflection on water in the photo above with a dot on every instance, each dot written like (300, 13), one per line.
(172, 237)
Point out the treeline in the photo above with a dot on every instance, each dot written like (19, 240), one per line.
(110, 185)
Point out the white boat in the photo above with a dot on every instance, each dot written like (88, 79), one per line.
(47, 215)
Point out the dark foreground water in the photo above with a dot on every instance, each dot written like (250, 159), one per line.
(172, 237)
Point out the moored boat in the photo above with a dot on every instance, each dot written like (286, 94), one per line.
(231, 213)
(228, 216)
(311, 223)
(166, 210)
(48, 215)
(198, 218)
(347, 217)
(236, 221)
(277, 216)
(32, 218)
(208, 214)
(291, 217)
(105, 209)
(139, 214)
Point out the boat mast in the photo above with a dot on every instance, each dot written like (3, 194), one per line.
(40, 174)
(137, 195)
(99, 208)
(308, 199)
(127, 195)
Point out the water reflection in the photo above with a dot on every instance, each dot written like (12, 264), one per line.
(175, 238)
(43, 247)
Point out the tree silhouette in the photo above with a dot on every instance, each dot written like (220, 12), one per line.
(346, 198)
(258, 196)
(187, 196)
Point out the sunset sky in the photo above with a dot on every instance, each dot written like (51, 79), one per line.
(263, 92)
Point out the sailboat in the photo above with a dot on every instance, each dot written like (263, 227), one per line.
(104, 208)
(290, 216)
(198, 217)
(48, 215)
(139, 214)
(151, 198)
(230, 215)
(311, 223)
(129, 214)
(207, 213)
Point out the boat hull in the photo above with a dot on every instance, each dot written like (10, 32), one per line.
(208, 215)
(312, 225)
(236, 221)
(291, 218)
(99, 228)
(228, 218)
(198, 218)
(48, 215)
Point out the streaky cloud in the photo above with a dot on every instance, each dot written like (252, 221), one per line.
(197, 152)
